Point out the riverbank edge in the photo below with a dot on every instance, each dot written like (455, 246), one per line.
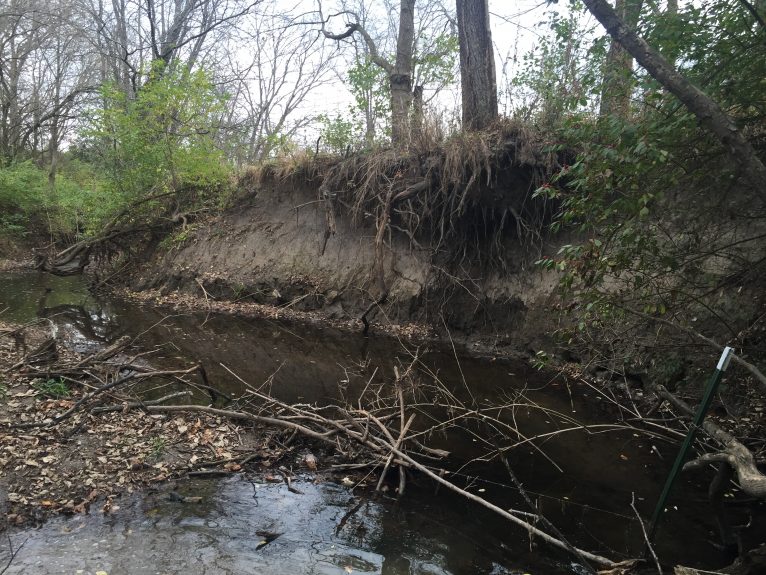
(407, 333)
(13, 265)
(87, 462)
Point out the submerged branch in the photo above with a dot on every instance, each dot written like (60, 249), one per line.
(739, 457)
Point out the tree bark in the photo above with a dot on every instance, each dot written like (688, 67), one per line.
(417, 112)
(617, 86)
(399, 73)
(707, 111)
(401, 77)
(477, 64)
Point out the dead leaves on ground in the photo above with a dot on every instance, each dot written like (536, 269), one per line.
(53, 470)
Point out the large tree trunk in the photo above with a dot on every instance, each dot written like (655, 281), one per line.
(618, 84)
(401, 76)
(477, 64)
(696, 101)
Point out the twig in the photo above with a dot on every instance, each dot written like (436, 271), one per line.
(542, 518)
(396, 445)
(643, 530)
(88, 396)
(13, 553)
(134, 404)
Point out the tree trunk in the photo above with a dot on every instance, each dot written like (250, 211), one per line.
(477, 64)
(696, 101)
(618, 84)
(401, 77)
(417, 112)
(53, 147)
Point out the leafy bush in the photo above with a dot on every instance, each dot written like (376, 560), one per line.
(23, 193)
(27, 198)
(161, 140)
(339, 134)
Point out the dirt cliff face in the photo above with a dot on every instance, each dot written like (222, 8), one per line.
(274, 248)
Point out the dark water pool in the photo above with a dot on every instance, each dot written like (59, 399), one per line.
(587, 493)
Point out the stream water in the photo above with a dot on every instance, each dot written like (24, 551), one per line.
(330, 529)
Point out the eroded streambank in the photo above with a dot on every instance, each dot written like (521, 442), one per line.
(276, 247)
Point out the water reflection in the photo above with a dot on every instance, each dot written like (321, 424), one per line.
(76, 316)
(587, 497)
(150, 535)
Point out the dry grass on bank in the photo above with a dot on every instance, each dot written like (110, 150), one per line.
(462, 194)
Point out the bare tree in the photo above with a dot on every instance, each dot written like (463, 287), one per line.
(477, 64)
(44, 73)
(270, 85)
(133, 35)
(20, 34)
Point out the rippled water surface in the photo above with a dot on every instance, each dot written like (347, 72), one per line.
(326, 530)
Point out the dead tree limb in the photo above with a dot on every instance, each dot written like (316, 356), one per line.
(739, 457)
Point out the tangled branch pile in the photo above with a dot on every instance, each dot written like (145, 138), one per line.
(388, 428)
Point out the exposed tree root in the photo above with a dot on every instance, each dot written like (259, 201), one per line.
(734, 453)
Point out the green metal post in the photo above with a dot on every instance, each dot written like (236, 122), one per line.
(699, 417)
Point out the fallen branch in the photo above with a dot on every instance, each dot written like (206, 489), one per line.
(134, 404)
(104, 388)
(741, 459)
(598, 559)
(386, 441)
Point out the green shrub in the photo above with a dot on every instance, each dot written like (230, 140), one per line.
(52, 388)
(160, 141)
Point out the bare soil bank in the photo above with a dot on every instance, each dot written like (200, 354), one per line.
(273, 248)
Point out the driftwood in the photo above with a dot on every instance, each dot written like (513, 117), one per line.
(734, 453)
(386, 427)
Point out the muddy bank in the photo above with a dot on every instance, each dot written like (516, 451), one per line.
(273, 249)
(9, 265)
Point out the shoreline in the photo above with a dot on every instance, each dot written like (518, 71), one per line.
(85, 462)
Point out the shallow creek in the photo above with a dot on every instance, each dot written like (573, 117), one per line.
(330, 528)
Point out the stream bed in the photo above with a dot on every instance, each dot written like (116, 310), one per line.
(584, 485)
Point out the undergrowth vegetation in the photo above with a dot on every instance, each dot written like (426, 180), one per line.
(669, 247)
(140, 158)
